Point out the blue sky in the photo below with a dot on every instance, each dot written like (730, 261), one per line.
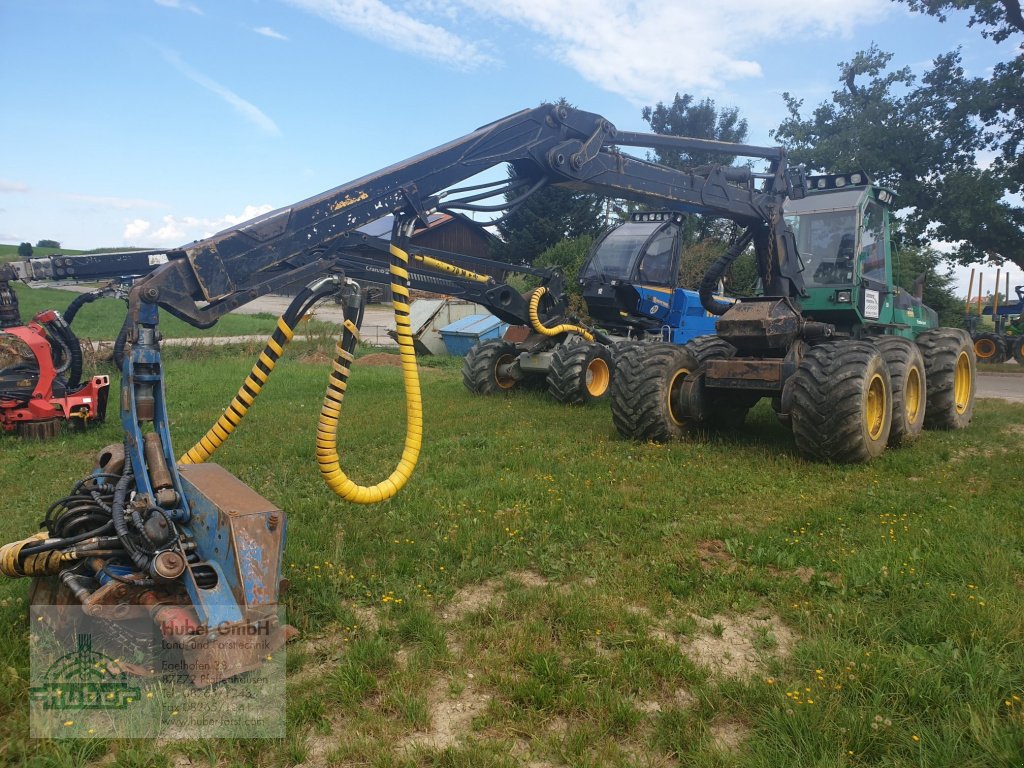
(154, 122)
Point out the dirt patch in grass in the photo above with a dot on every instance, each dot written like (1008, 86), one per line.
(475, 597)
(367, 617)
(451, 717)
(713, 553)
(802, 572)
(378, 359)
(733, 646)
(728, 735)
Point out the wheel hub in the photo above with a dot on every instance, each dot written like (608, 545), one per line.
(874, 413)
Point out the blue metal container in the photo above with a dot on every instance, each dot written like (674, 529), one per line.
(460, 336)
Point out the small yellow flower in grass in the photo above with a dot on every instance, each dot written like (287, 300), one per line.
(915, 737)
(597, 631)
(68, 723)
(770, 680)
(149, 694)
(269, 657)
(174, 713)
(92, 730)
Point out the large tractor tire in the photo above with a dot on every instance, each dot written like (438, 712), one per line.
(580, 373)
(482, 370)
(842, 402)
(990, 348)
(909, 387)
(619, 348)
(710, 348)
(1018, 350)
(951, 368)
(642, 390)
(723, 410)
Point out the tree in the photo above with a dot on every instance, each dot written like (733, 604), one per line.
(702, 120)
(699, 120)
(568, 255)
(47, 244)
(924, 138)
(1002, 108)
(25, 250)
(912, 262)
(547, 217)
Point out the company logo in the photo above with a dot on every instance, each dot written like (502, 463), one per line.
(85, 679)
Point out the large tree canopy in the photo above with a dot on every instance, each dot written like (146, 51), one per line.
(949, 145)
(700, 120)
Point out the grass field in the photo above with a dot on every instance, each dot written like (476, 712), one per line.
(9, 252)
(101, 319)
(544, 594)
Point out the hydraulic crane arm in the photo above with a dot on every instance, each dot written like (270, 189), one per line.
(545, 145)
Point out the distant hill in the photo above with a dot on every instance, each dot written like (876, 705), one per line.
(10, 252)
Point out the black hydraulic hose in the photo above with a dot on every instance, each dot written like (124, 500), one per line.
(62, 543)
(77, 303)
(121, 341)
(143, 582)
(717, 271)
(117, 512)
(458, 205)
(63, 330)
(60, 353)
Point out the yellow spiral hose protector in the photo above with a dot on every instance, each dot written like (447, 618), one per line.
(539, 327)
(241, 402)
(327, 430)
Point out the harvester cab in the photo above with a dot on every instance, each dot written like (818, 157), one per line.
(630, 281)
(842, 231)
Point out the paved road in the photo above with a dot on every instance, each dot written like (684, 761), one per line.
(1002, 386)
(377, 320)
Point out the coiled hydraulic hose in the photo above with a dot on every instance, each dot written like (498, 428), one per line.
(253, 384)
(327, 430)
(717, 271)
(539, 327)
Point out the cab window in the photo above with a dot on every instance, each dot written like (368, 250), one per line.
(871, 257)
(656, 264)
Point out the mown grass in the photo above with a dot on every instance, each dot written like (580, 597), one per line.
(902, 581)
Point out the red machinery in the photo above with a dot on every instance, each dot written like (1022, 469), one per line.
(41, 384)
(35, 398)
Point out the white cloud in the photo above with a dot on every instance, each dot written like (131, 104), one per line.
(269, 32)
(134, 230)
(178, 230)
(645, 49)
(13, 186)
(396, 29)
(181, 5)
(248, 110)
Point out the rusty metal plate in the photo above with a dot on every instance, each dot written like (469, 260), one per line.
(744, 374)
